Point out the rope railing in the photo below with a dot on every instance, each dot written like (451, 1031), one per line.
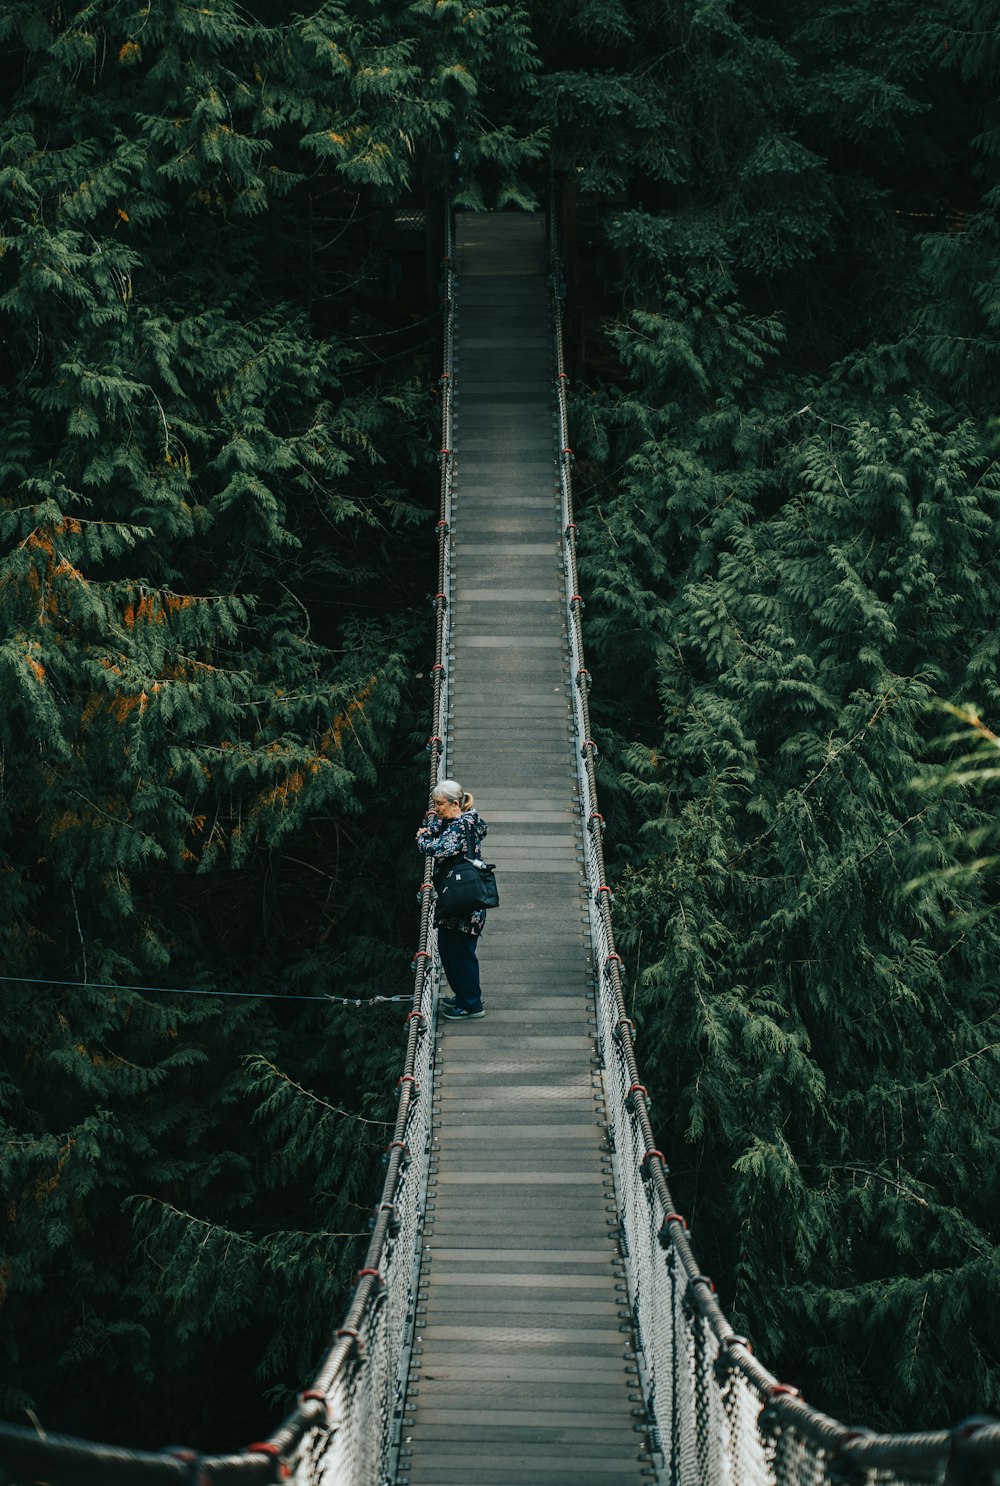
(716, 1415)
(344, 1428)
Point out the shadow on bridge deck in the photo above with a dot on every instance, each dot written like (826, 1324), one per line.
(523, 1373)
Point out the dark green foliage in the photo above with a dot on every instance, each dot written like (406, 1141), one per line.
(215, 503)
(969, 857)
(790, 502)
(217, 495)
(828, 1042)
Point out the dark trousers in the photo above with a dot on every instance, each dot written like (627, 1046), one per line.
(460, 965)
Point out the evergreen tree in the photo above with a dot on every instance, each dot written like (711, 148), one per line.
(788, 498)
(216, 496)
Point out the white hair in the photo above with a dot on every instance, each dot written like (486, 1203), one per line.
(452, 791)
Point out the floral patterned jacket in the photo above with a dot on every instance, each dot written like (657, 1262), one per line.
(444, 840)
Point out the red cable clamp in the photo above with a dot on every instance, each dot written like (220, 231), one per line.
(676, 1218)
(570, 527)
(564, 452)
(355, 1336)
(445, 451)
(604, 889)
(703, 1279)
(580, 675)
(637, 1089)
(408, 1078)
(264, 1447)
(375, 1274)
(614, 955)
(595, 815)
(588, 743)
(645, 1160)
(445, 377)
(398, 1145)
(425, 887)
(436, 667)
(563, 377)
(783, 1390)
(421, 954)
(189, 1457)
(737, 1341)
(435, 738)
(577, 598)
(439, 524)
(415, 1016)
(439, 596)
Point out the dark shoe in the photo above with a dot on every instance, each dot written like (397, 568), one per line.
(448, 1001)
(462, 1013)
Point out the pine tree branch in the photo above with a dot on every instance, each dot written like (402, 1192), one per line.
(794, 796)
(346, 1114)
(243, 1239)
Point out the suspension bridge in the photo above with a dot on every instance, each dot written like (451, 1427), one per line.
(530, 1311)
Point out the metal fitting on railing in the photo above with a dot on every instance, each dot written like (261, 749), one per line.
(282, 1470)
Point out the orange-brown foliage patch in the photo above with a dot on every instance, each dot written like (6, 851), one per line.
(68, 821)
(332, 739)
(45, 1186)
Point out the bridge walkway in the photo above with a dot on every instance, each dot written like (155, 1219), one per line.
(522, 1372)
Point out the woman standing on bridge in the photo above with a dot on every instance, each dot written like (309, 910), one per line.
(444, 836)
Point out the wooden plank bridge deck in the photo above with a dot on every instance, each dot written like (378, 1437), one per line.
(522, 1371)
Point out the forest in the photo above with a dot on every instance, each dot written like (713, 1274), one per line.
(218, 484)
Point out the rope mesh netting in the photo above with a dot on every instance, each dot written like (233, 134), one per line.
(716, 1416)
